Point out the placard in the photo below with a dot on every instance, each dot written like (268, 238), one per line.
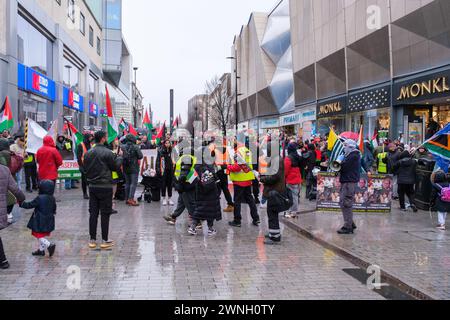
(373, 193)
(69, 170)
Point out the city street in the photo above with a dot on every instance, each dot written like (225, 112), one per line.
(153, 260)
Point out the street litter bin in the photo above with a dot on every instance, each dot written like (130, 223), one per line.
(424, 170)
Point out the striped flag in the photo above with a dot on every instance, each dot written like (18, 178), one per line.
(6, 121)
(113, 128)
(337, 151)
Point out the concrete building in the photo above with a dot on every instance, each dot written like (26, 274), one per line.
(197, 111)
(383, 64)
(53, 56)
(138, 105)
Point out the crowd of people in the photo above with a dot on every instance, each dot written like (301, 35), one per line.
(110, 172)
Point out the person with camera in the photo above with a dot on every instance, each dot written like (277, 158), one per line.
(350, 175)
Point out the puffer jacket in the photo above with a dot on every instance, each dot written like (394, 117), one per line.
(164, 163)
(275, 182)
(7, 183)
(5, 159)
(135, 154)
(49, 160)
(405, 169)
(99, 163)
(44, 205)
(207, 202)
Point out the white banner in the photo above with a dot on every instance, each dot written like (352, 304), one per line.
(35, 136)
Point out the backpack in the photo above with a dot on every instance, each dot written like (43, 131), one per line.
(16, 163)
(208, 179)
(445, 194)
(126, 156)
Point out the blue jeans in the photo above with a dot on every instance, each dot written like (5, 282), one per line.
(131, 181)
(69, 184)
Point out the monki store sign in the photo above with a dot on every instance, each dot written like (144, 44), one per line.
(427, 88)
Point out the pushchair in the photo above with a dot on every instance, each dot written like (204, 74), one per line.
(151, 184)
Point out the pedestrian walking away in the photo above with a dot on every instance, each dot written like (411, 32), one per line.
(42, 222)
(131, 155)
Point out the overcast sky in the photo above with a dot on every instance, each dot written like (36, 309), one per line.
(180, 44)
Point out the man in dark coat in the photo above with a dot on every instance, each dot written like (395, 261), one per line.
(405, 168)
(82, 149)
(350, 175)
(132, 155)
(309, 162)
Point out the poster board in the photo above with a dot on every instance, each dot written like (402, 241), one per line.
(69, 170)
(148, 162)
(373, 193)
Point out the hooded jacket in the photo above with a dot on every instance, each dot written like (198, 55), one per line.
(351, 168)
(7, 183)
(134, 153)
(292, 166)
(439, 180)
(405, 169)
(49, 160)
(207, 201)
(44, 205)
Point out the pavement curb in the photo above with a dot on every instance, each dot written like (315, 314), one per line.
(386, 277)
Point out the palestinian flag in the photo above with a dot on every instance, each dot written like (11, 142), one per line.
(374, 141)
(148, 125)
(192, 176)
(439, 147)
(113, 128)
(175, 123)
(361, 140)
(161, 133)
(127, 128)
(6, 121)
(77, 137)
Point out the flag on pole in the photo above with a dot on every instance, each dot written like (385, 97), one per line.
(361, 140)
(439, 147)
(6, 121)
(76, 136)
(374, 141)
(160, 134)
(113, 128)
(175, 123)
(34, 136)
(127, 127)
(332, 139)
(336, 146)
(148, 124)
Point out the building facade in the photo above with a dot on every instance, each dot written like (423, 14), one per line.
(52, 61)
(383, 64)
(198, 111)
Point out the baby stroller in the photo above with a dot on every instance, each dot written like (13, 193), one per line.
(313, 194)
(151, 187)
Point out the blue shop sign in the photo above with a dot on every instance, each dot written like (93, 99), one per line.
(73, 100)
(269, 123)
(35, 82)
(290, 120)
(93, 109)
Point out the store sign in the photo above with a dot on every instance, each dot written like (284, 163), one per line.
(35, 82)
(269, 123)
(331, 108)
(370, 99)
(307, 114)
(254, 124)
(290, 120)
(427, 87)
(93, 109)
(73, 100)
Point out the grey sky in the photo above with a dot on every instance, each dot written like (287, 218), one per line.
(179, 44)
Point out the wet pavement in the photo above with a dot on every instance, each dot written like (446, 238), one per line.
(405, 245)
(153, 260)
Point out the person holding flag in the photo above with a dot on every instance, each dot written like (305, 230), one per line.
(82, 150)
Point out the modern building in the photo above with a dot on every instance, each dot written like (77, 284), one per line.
(381, 64)
(55, 60)
(198, 111)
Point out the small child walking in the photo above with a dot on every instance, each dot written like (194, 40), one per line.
(42, 222)
(440, 182)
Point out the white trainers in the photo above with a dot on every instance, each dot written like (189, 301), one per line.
(263, 206)
(10, 218)
(164, 203)
(171, 203)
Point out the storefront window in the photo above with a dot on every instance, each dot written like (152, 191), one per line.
(33, 48)
(335, 123)
(372, 121)
(71, 77)
(442, 115)
(92, 88)
(35, 108)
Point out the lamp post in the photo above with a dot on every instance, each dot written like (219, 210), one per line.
(135, 96)
(235, 58)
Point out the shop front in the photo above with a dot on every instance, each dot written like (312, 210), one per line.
(269, 125)
(370, 108)
(290, 124)
(93, 113)
(37, 94)
(331, 115)
(307, 126)
(73, 107)
(421, 105)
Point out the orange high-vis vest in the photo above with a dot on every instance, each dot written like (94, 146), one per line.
(263, 165)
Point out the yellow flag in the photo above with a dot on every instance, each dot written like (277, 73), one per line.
(332, 138)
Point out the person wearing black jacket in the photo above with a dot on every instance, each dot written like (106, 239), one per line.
(439, 181)
(30, 169)
(309, 162)
(392, 158)
(164, 169)
(131, 168)
(99, 163)
(82, 149)
(350, 175)
(405, 168)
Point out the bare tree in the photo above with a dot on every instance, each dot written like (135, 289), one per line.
(220, 107)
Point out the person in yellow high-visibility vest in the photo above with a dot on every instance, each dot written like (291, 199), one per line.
(381, 163)
(30, 168)
(242, 176)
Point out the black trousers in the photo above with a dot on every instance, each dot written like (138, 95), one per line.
(31, 176)
(255, 187)
(274, 222)
(2, 252)
(405, 189)
(224, 188)
(100, 203)
(167, 184)
(84, 183)
(244, 195)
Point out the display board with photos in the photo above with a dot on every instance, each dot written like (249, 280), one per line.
(373, 193)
